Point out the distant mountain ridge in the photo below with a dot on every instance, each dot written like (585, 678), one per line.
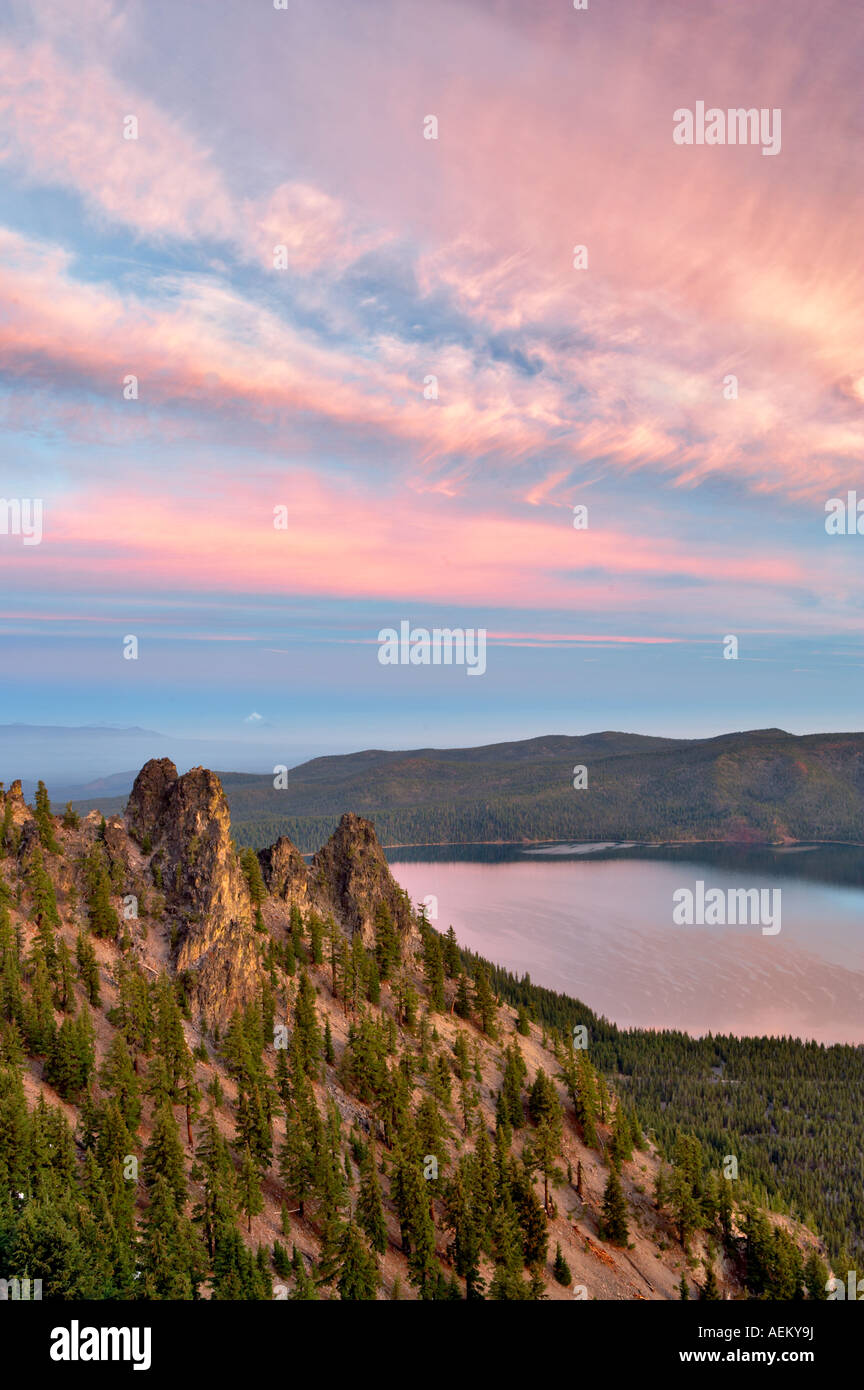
(759, 786)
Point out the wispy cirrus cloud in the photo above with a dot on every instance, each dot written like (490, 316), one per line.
(409, 262)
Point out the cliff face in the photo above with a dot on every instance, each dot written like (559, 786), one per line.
(183, 829)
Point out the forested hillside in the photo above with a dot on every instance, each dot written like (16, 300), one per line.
(761, 786)
(788, 1110)
(236, 1076)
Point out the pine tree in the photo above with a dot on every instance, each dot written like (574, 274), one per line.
(304, 1140)
(511, 1109)
(44, 909)
(408, 1190)
(530, 1215)
(586, 1099)
(236, 1273)
(7, 829)
(357, 1274)
(215, 1171)
(45, 820)
(661, 1188)
(172, 1257)
(484, 1001)
(307, 1028)
(304, 1286)
(39, 1025)
(163, 1157)
(464, 1250)
(370, 1210)
(462, 1002)
(613, 1225)
(815, 1276)
(70, 1058)
(433, 968)
(710, 1290)
(249, 1186)
(64, 994)
(254, 881)
(135, 1011)
(103, 918)
(386, 942)
(316, 939)
(452, 957)
(621, 1144)
(561, 1269)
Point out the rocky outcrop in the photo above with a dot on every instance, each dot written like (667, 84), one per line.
(176, 834)
(285, 872)
(148, 802)
(117, 843)
(28, 841)
(353, 871)
(185, 824)
(347, 879)
(13, 804)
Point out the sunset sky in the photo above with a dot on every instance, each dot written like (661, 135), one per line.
(409, 257)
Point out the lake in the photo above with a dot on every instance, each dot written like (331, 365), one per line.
(596, 923)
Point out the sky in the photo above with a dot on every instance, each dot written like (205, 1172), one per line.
(389, 342)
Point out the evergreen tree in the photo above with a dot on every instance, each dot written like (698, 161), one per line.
(307, 1028)
(254, 882)
(561, 1269)
(370, 1210)
(815, 1276)
(163, 1157)
(621, 1144)
(172, 1257)
(355, 1268)
(64, 994)
(117, 1076)
(304, 1286)
(484, 1001)
(408, 1189)
(613, 1225)
(386, 942)
(215, 1171)
(710, 1290)
(102, 916)
(464, 1250)
(433, 969)
(249, 1185)
(45, 820)
(462, 1002)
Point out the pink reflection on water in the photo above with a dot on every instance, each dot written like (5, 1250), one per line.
(603, 933)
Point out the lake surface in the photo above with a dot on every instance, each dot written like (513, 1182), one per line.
(596, 923)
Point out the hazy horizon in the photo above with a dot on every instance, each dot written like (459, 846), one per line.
(33, 752)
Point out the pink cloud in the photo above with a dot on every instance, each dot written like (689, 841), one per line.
(342, 542)
(702, 262)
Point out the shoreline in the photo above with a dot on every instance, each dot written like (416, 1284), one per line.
(630, 844)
